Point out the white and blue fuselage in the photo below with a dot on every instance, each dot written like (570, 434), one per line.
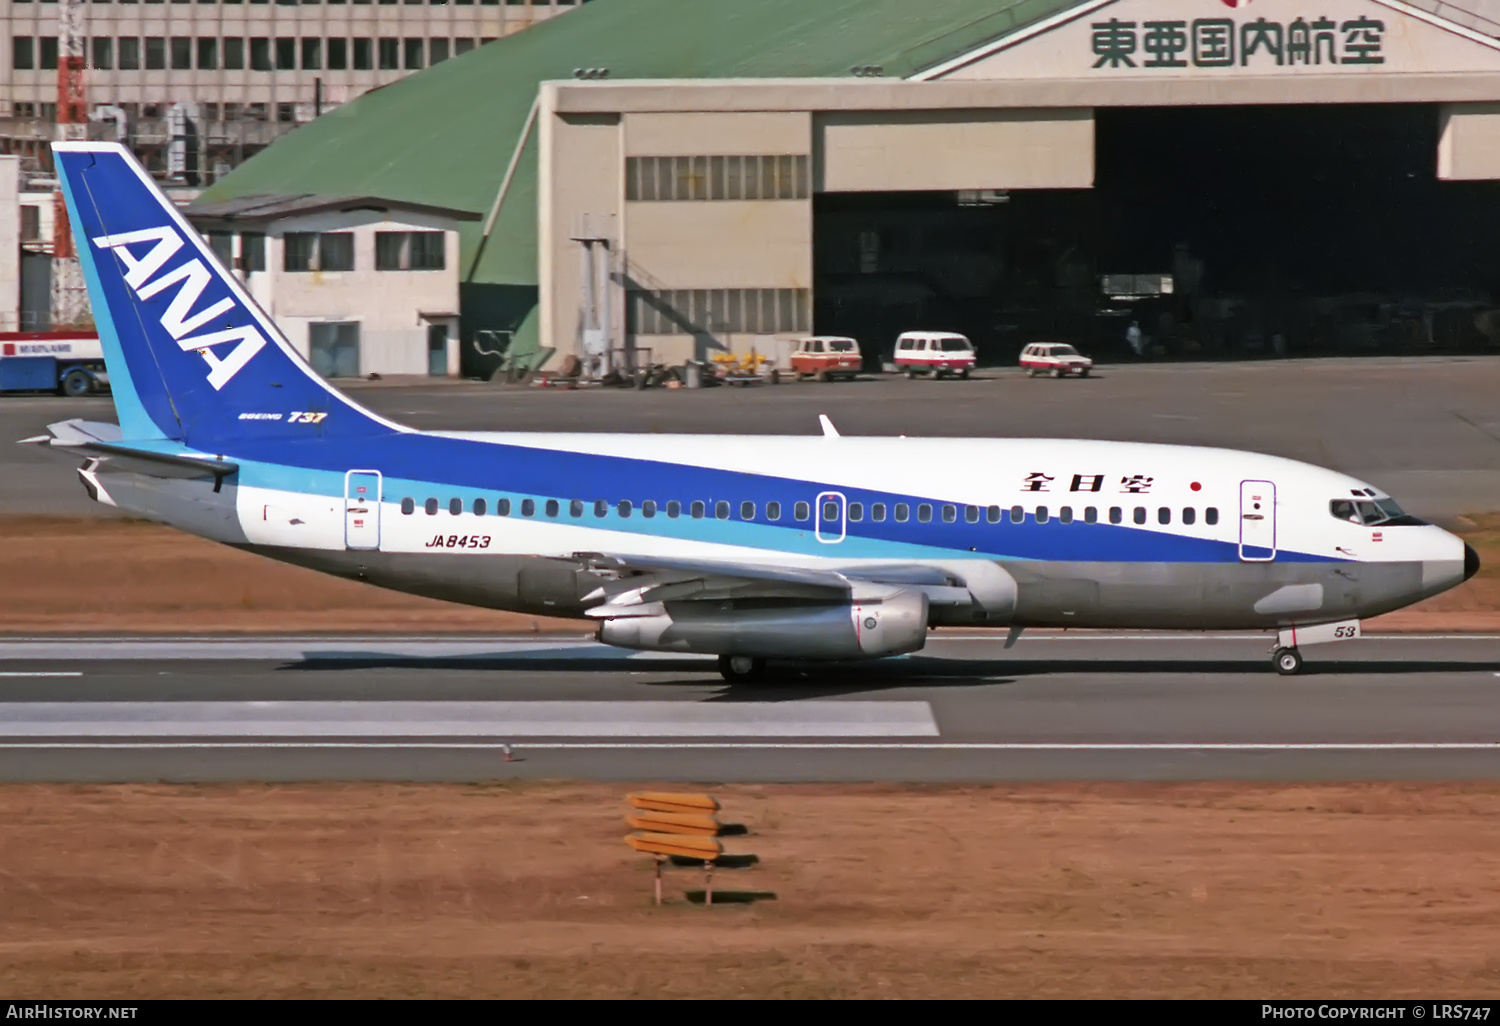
(806, 547)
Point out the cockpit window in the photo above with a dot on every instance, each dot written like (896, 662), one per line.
(1371, 512)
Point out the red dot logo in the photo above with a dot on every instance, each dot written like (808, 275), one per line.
(1195, 486)
(1235, 3)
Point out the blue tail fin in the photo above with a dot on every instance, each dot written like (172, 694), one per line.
(190, 355)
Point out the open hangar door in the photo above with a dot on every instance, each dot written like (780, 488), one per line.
(1225, 232)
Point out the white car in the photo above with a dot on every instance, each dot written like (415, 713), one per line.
(1056, 358)
(934, 353)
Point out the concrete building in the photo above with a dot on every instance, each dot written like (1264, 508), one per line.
(1241, 180)
(358, 284)
(196, 88)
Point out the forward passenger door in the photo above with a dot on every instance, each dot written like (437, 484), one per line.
(1257, 521)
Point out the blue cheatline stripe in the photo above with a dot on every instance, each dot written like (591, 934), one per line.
(519, 473)
(135, 422)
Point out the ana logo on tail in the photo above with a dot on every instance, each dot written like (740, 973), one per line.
(179, 320)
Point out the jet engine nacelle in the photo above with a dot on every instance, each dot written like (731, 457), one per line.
(859, 629)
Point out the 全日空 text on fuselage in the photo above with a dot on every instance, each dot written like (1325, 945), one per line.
(800, 547)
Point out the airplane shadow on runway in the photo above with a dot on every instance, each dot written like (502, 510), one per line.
(792, 682)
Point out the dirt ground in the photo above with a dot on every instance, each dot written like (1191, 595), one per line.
(81, 575)
(1198, 890)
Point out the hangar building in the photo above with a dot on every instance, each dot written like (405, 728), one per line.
(689, 176)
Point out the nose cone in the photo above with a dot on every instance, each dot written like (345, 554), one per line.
(1471, 562)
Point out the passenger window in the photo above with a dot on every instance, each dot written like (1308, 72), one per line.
(552, 507)
(528, 507)
(877, 512)
(431, 506)
(674, 508)
(648, 508)
(502, 507)
(721, 510)
(971, 514)
(624, 507)
(747, 511)
(1139, 515)
(1090, 515)
(1116, 515)
(1017, 515)
(408, 506)
(773, 511)
(1189, 515)
(903, 512)
(950, 513)
(992, 514)
(1211, 515)
(601, 508)
(830, 512)
(575, 507)
(801, 511)
(1065, 515)
(455, 506)
(698, 509)
(924, 512)
(480, 506)
(1164, 515)
(856, 511)
(1041, 514)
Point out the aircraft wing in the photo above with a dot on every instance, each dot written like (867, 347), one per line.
(102, 441)
(645, 582)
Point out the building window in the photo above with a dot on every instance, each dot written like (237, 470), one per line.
(130, 54)
(735, 177)
(260, 54)
(208, 54)
(156, 53)
(31, 224)
(413, 54)
(314, 251)
(286, 54)
(439, 50)
(390, 54)
(363, 59)
(427, 251)
(409, 251)
(338, 55)
(234, 55)
(103, 54)
(252, 251)
(462, 46)
(312, 54)
(48, 47)
(724, 311)
(23, 53)
(182, 53)
(222, 244)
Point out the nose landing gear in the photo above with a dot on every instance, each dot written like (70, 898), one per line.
(741, 669)
(1287, 661)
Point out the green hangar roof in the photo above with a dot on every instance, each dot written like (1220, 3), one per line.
(444, 136)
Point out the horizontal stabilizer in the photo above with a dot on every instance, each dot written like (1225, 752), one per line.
(84, 438)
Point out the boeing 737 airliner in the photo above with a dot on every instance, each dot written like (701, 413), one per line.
(792, 548)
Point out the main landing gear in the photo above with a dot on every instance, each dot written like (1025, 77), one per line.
(741, 669)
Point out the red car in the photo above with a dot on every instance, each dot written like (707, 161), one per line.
(827, 356)
(1056, 358)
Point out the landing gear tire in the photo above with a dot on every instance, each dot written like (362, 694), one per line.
(741, 669)
(1287, 661)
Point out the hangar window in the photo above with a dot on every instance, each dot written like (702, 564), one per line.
(740, 311)
(502, 508)
(714, 178)
(801, 511)
(773, 511)
(431, 506)
(408, 506)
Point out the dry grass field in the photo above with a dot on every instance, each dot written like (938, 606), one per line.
(489, 890)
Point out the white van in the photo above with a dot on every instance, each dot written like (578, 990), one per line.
(935, 353)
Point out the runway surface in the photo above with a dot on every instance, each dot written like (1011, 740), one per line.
(1102, 706)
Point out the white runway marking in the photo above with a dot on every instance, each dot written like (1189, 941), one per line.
(41, 673)
(365, 719)
(824, 746)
